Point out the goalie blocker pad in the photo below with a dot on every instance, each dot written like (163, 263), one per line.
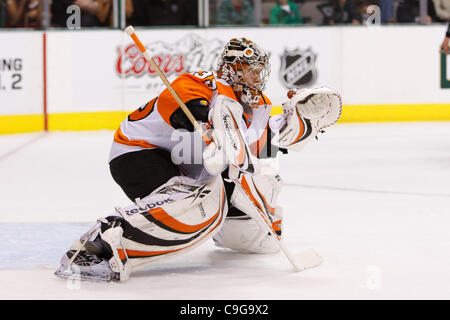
(229, 146)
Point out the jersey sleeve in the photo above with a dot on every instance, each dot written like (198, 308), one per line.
(194, 91)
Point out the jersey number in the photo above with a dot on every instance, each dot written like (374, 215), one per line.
(143, 111)
(210, 81)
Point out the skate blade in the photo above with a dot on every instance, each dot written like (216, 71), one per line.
(82, 276)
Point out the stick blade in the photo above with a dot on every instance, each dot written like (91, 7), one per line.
(307, 259)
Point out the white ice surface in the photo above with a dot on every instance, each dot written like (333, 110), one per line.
(372, 199)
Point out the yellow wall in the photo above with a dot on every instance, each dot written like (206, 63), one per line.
(110, 120)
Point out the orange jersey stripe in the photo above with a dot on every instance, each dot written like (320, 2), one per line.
(226, 90)
(143, 112)
(119, 137)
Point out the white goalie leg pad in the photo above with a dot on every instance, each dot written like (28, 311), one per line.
(246, 236)
(243, 233)
(174, 219)
(118, 263)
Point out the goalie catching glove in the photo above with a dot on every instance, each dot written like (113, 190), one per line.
(308, 112)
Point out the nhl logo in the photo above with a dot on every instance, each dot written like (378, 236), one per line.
(298, 68)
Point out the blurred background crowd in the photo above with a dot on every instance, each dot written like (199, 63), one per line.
(104, 13)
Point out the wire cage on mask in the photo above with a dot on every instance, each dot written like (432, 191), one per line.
(245, 67)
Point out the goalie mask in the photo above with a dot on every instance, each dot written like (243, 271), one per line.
(245, 67)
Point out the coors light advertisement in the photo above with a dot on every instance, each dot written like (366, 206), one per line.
(189, 54)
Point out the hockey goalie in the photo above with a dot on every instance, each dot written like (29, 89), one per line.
(185, 190)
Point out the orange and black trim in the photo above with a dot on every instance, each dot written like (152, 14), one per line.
(119, 137)
(268, 208)
(276, 225)
(247, 189)
(243, 154)
(139, 236)
(163, 220)
(305, 128)
(142, 112)
(257, 147)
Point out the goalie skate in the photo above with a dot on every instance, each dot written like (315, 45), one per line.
(85, 266)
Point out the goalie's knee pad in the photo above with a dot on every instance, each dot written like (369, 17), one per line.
(175, 218)
(242, 232)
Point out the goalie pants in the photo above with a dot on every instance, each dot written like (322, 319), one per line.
(140, 173)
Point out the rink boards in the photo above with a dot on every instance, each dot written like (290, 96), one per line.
(91, 79)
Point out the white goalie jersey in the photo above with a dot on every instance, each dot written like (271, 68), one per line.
(184, 213)
(155, 124)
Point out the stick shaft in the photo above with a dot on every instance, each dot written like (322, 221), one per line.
(266, 224)
(130, 31)
(282, 246)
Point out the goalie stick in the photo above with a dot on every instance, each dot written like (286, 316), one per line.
(130, 31)
(304, 260)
